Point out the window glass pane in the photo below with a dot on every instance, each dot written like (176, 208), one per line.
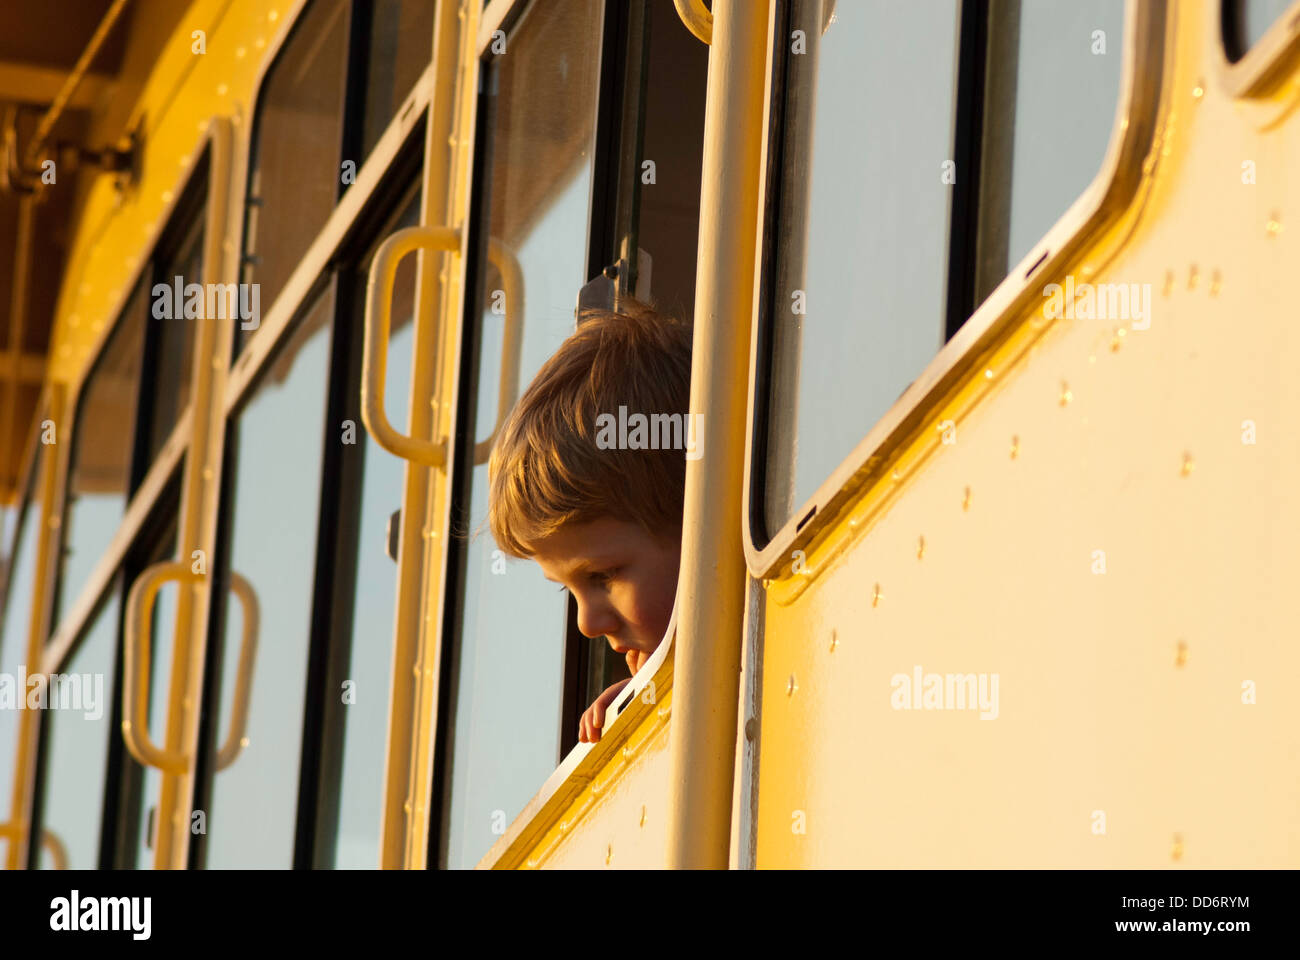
(1248, 20)
(364, 721)
(511, 643)
(1062, 72)
(401, 46)
(298, 134)
(16, 613)
(75, 743)
(173, 343)
(102, 446)
(276, 446)
(162, 639)
(858, 304)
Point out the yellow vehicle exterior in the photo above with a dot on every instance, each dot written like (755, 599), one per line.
(1093, 535)
(1140, 720)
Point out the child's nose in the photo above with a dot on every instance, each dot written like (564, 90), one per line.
(596, 619)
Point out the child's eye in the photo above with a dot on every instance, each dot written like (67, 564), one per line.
(604, 577)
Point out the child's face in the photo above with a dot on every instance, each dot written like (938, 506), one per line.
(623, 579)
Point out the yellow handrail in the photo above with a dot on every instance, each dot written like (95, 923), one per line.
(135, 675)
(13, 832)
(697, 17)
(235, 740)
(374, 360)
(512, 282)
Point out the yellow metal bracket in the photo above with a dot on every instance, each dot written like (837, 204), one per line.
(135, 678)
(235, 740)
(374, 361)
(697, 17)
(512, 281)
(13, 833)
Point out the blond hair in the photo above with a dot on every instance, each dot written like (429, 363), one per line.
(547, 468)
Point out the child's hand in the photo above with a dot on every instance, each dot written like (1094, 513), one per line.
(594, 719)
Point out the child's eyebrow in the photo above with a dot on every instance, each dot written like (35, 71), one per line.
(585, 566)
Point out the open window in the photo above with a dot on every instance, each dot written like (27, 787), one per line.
(587, 171)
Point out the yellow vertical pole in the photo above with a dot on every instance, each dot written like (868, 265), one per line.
(54, 464)
(413, 705)
(711, 591)
(196, 533)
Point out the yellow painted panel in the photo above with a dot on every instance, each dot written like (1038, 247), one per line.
(626, 825)
(1122, 696)
(617, 811)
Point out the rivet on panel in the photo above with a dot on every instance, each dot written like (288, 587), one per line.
(1015, 447)
(835, 641)
(965, 500)
(1198, 91)
(1216, 280)
(1180, 658)
(1169, 283)
(751, 729)
(896, 475)
(988, 374)
(1177, 851)
(791, 686)
(1117, 339)
(1066, 395)
(1188, 463)
(1193, 275)
(1274, 225)
(876, 596)
(920, 547)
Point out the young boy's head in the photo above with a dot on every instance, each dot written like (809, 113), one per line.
(576, 487)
